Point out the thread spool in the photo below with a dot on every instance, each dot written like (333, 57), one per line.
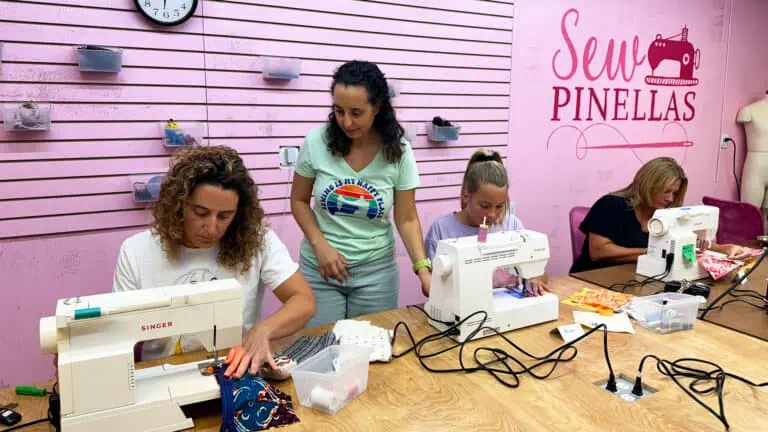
(323, 399)
(482, 232)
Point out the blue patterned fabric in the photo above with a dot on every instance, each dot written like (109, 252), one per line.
(251, 404)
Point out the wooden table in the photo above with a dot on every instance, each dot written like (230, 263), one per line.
(735, 316)
(401, 395)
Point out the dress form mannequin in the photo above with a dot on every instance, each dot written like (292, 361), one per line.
(754, 178)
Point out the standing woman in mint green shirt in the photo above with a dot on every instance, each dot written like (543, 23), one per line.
(358, 167)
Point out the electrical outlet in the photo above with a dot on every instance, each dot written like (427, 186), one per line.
(724, 139)
(624, 385)
(288, 157)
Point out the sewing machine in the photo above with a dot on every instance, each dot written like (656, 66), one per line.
(95, 336)
(679, 231)
(462, 283)
(681, 51)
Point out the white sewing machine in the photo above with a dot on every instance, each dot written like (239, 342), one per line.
(95, 336)
(678, 230)
(462, 283)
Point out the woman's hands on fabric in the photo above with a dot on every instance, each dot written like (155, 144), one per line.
(736, 252)
(251, 355)
(331, 263)
(537, 287)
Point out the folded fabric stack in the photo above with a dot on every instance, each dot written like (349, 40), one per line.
(300, 350)
(362, 333)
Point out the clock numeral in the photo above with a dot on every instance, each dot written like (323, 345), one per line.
(156, 11)
(147, 3)
(176, 12)
(166, 14)
(183, 6)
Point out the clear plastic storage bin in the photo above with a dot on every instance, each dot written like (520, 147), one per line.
(182, 134)
(147, 189)
(330, 379)
(280, 68)
(666, 312)
(443, 133)
(27, 116)
(99, 59)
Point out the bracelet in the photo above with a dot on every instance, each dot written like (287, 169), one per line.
(420, 264)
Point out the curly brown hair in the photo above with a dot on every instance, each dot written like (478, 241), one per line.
(219, 166)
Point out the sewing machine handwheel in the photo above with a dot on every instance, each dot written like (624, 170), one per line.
(442, 265)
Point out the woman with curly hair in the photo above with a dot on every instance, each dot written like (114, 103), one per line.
(358, 167)
(209, 224)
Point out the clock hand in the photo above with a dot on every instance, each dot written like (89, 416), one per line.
(164, 2)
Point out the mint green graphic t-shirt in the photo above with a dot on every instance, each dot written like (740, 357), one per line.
(352, 208)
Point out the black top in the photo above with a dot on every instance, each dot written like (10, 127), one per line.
(613, 218)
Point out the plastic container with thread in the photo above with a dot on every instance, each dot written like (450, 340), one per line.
(27, 116)
(666, 312)
(99, 59)
(147, 190)
(183, 134)
(330, 379)
(443, 133)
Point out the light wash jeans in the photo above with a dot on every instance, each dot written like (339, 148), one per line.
(372, 287)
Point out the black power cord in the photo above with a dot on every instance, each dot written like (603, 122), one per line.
(704, 381)
(54, 413)
(735, 177)
(511, 366)
(669, 259)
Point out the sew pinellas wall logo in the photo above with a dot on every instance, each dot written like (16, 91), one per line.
(352, 197)
(615, 96)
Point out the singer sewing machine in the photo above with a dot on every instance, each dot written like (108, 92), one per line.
(95, 336)
(462, 283)
(678, 231)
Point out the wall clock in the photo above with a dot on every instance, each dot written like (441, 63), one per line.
(167, 12)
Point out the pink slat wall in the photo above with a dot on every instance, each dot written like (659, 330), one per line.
(453, 61)
(65, 195)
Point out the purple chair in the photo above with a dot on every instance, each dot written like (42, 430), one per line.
(576, 215)
(739, 221)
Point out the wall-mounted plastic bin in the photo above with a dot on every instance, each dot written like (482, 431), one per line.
(182, 134)
(395, 87)
(443, 133)
(146, 189)
(280, 68)
(93, 58)
(27, 116)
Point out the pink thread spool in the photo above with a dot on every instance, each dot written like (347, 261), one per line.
(482, 232)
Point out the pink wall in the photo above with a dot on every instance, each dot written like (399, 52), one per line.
(65, 195)
(554, 170)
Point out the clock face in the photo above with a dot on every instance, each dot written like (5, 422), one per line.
(167, 12)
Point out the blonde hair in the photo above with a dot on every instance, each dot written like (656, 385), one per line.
(485, 167)
(653, 177)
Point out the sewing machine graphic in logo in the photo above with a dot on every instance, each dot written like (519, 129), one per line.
(348, 199)
(681, 51)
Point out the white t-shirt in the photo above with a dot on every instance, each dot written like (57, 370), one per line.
(142, 264)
